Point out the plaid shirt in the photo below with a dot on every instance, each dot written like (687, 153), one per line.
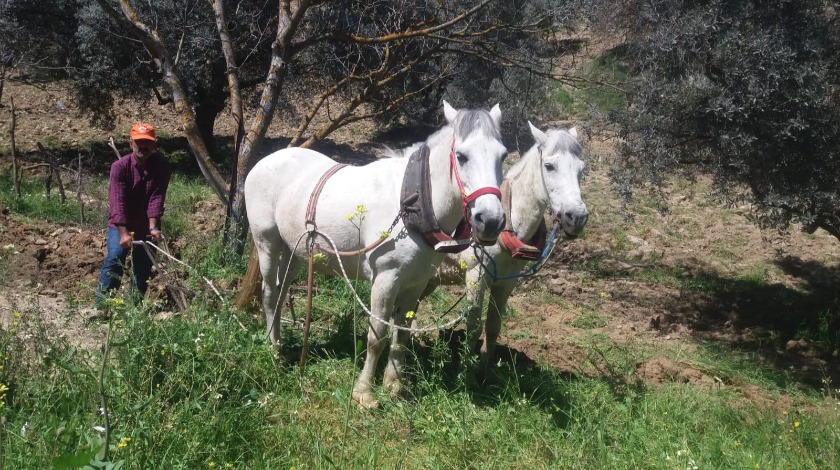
(135, 195)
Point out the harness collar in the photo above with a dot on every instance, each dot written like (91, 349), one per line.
(418, 212)
(511, 242)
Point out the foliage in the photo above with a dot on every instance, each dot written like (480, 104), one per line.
(35, 35)
(106, 63)
(745, 90)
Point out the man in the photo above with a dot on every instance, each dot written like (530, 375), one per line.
(136, 196)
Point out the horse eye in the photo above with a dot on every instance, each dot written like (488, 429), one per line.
(549, 167)
(462, 159)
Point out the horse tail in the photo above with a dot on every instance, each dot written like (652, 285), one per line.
(251, 285)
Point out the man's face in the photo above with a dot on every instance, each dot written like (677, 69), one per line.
(143, 148)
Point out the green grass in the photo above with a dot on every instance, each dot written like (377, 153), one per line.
(203, 389)
(198, 391)
(599, 92)
(34, 204)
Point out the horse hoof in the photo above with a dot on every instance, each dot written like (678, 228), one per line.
(365, 400)
(394, 388)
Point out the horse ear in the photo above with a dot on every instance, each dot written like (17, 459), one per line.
(573, 131)
(539, 135)
(449, 112)
(496, 114)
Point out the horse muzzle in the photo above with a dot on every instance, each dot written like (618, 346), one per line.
(486, 228)
(572, 222)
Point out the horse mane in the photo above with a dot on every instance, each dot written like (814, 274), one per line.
(559, 140)
(470, 120)
(466, 122)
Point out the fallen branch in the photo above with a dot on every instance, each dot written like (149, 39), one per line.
(79, 192)
(15, 173)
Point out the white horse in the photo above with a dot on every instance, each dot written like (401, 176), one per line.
(546, 177)
(355, 208)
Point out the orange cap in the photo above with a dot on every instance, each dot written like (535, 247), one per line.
(142, 130)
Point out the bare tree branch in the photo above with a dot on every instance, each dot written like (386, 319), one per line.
(131, 22)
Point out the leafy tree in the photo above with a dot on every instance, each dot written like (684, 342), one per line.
(323, 64)
(33, 40)
(746, 90)
(355, 59)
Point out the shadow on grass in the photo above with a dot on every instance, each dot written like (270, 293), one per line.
(434, 363)
(792, 329)
(98, 155)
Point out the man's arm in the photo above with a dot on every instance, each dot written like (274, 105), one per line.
(157, 199)
(117, 198)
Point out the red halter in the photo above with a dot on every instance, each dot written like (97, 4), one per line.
(466, 199)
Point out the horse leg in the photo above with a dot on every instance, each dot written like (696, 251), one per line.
(394, 372)
(381, 304)
(499, 294)
(476, 285)
(275, 259)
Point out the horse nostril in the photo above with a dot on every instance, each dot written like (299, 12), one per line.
(479, 218)
(576, 218)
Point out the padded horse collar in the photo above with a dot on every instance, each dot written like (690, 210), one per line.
(511, 242)
(418, 212)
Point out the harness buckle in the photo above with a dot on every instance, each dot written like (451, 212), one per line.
(452, 246)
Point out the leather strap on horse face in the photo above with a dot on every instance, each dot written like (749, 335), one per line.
(508, 238)
(417, 210)
(466, 199)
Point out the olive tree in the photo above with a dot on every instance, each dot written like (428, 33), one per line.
(746, 91)
(353, 60)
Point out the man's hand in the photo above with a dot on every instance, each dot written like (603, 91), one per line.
(156, 234)
(125, 240)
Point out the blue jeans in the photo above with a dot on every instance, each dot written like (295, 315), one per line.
(112, 268)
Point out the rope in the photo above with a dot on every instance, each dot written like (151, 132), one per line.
(146, 246)
(359, 301)
(166, 253)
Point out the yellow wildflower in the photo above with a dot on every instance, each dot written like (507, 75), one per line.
(410, 314)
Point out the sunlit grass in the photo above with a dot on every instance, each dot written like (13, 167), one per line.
(203, 389)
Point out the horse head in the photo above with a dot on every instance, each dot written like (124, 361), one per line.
(476, 156)
(562, 169)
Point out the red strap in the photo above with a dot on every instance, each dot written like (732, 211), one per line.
(521, 250)
(481, 192)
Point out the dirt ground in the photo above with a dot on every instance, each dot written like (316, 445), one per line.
(567, 299)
